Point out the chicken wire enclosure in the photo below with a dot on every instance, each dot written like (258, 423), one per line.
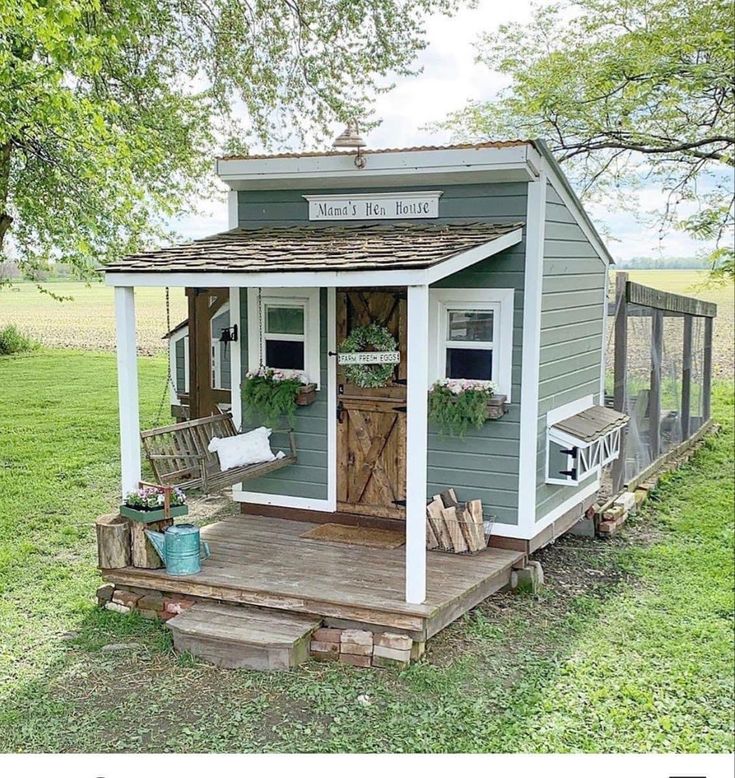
(660, 347)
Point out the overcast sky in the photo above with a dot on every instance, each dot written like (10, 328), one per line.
(450, 77)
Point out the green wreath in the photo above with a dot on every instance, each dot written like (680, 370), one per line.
(369, 337)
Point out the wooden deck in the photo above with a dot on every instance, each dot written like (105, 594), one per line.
(265, 562)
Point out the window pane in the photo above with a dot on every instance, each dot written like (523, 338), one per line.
(285, 354)
(284, 321)
(470, 325)
(470, 363)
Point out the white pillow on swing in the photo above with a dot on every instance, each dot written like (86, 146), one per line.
(250, 448)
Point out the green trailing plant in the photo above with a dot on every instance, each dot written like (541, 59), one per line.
(370, 337)
(12, 341)
(270, 394)
(456, 405)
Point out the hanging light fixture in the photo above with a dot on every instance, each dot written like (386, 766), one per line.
(350, 138)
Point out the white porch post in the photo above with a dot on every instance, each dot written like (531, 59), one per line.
(416, 442)
(127, 387)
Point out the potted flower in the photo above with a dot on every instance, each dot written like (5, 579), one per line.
(457, 404)
(269, 394)
(146, 504)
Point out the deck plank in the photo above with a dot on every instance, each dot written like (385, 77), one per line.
(266, 562)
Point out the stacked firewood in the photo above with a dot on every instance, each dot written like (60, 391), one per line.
(454, 526)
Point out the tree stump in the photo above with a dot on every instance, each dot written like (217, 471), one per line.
(144, 554)
(113, 541)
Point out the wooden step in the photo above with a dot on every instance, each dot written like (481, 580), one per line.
(243, 637)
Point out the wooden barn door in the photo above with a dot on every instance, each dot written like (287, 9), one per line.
(371, 429)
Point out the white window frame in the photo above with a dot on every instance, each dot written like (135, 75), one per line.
(216, 355)
(308, 299)
(500, 302)
(182, 334)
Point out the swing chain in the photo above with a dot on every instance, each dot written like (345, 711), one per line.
(170, 380)
(260, 327)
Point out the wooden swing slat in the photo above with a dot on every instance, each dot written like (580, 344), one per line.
(179, 455)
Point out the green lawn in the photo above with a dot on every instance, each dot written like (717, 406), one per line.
(629, 648)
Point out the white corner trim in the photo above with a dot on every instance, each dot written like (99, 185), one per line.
(605, 324)
(309, 298)
(233, 217)
(280, 500)
(531, 353)
(501, 301)
(331, 400)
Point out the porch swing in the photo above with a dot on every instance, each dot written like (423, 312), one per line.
(179, 454)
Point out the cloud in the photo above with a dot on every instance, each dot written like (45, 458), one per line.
(450, 77)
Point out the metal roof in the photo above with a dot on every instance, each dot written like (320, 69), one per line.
(396, 246)
(487, 144)
(592, 423)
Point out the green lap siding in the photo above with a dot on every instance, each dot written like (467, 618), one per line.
(306, 479)
(485, 463)
(572, 316)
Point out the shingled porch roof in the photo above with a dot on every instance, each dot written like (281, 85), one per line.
(395, 246)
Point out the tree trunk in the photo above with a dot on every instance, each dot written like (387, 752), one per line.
(5, 217)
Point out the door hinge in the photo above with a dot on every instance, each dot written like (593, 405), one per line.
(400, 408)
(399, 503)
(340, 411)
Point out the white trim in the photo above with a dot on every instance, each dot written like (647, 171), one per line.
(281, 500)
(417, 359)
(552, 417)
(331, 400)
(309, 299)
(569, 409)
(500, 301)
(398, 168)
(127, 388)
(173, 384)
(605, 323)
(233, 217)
(235, 358)
(470, 257)
(576, 210)
(567, 505)
(217, 350)
(531, 355)
(320, 278)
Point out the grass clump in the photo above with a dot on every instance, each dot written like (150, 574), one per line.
(13, 341)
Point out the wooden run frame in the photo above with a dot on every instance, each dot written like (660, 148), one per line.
(661, 304)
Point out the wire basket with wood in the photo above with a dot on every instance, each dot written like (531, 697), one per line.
(455, 527)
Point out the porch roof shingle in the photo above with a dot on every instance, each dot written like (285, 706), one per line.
(396, 246)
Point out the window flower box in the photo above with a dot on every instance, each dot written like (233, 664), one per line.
(146, 505)
(151, 515)
(497, 406)
(456, 404)
(306, 395)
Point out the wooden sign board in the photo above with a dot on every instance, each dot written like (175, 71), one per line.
(370, 358)
(383, 205)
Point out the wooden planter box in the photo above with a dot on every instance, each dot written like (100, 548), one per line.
(306, 395)
(149, 517)
(496, 406)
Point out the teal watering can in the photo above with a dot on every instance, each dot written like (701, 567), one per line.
(180, 548)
